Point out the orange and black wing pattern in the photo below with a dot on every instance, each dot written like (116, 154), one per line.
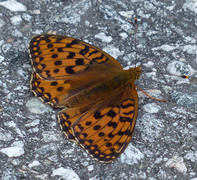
(106, 129)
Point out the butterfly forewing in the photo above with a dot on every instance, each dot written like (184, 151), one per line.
(66, 66)
(61, 57)
(51, 92)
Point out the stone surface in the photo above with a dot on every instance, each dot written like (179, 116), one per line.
(164, 144)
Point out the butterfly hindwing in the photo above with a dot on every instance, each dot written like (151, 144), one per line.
(68, 116)
(105, 130)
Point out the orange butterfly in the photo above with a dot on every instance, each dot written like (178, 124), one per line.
(101, 97)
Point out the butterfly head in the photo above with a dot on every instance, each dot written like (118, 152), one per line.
(135, 72)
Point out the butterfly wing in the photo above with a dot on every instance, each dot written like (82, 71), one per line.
(50, 92)
(104, 130)
(68, 116)
(65, 66)
(56, 57)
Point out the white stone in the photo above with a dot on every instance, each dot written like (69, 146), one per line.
(170, 8)
(26, 17)
(13, 125)
(37, 107)
(6, 47)
(34, 163)
(33, 123)
(103, 37)
(131, 155)
(189, 39)
(127, 14)
(124, 35)
(90, 167)
(190, 5)
(176, 67)
(1, 59)
(16, 20)
(66, 174)
(72, 15)
(158, 160)
(14, 151)
(113, 51)
(17, 33)
(94, 178)
(191, 155)
(13, 5)
(5, 136)
(50, 136)
(165, 47)
(2, 23)
(190, 49)
(151, 108)
(149, 64)
(177, 163)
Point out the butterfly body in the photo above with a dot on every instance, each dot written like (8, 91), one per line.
(98, 97)
(109, 85)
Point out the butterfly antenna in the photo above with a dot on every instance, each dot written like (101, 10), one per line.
(186, 77)
(136, 42)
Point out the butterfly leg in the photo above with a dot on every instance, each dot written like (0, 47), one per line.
(162, 100)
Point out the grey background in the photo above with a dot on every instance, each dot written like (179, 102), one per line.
(164, 143)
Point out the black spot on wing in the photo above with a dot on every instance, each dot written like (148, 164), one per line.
(84, 51)
(69, 70)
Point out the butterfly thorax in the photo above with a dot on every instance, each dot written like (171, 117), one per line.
(123, 78)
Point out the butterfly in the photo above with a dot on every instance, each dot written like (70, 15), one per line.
(98, 97)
